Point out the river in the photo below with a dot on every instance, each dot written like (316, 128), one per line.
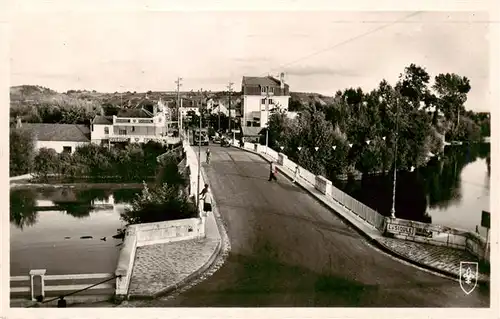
(452, 190)
(47, 226)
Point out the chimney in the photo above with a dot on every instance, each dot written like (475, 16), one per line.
(282, 80)
(19, 123)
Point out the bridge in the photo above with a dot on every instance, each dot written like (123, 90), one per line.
(288, 249)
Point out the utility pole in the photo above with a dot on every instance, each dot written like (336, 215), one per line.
(199, 157)
(179, 114)
(230, 89)
(267, 118)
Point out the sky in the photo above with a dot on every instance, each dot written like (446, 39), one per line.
(318, 51)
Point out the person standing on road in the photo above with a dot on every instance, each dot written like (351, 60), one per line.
(273, 170)
(208, 156)
(297, 174)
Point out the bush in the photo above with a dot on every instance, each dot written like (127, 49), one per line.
(46, 163)
(160, 204)
(21, 151)
(135, 163)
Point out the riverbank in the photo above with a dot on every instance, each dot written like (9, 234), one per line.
(82, 185)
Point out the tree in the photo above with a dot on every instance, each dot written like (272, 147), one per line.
(413, 84)
(160, 204)
(452, 92)
(21, 151)
(46, 163)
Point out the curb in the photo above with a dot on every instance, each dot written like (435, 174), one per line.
(371, 240)
(184, 281)
(197, 273)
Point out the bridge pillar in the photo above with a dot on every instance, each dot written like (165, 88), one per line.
(41, 273)
(281, 158)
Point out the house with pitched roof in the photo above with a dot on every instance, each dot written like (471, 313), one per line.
(260, 96)
(147, 121)
(60, 137)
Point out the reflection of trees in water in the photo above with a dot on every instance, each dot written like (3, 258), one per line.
(436, 186)
(22, 204)
(78, 210)
(125, 195)
(75, 202)
(443, 184)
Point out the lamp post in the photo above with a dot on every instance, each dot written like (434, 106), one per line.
(393, 209)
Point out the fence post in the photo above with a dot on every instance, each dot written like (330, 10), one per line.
(33, 273)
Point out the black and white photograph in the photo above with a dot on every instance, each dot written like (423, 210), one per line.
(262, 159)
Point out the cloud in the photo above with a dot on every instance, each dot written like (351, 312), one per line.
(318, 70)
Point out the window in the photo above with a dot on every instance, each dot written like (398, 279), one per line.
(66, 149)
(249, 123)
(106, 130)
(133, 128)
(263, 101)
(263, 89)
(271, 90)
(122, 132)
(271, 101)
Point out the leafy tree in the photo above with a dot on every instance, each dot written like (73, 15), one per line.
(46, 163)
(452, 92)
(21, 151)
(160, 204)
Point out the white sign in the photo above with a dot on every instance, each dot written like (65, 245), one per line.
(398, 229)
(468, 275)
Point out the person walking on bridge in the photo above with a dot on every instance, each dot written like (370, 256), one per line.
(273, 171)
(297, 174)
(207, 200)
(208, 156)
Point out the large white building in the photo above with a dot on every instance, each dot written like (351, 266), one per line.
(261, 95)
(148, 121)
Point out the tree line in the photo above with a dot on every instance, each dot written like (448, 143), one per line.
(359, 131)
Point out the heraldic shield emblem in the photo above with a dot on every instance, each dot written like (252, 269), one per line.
(468, 275)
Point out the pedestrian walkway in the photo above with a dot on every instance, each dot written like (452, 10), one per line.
(162, 268)
(444, 260)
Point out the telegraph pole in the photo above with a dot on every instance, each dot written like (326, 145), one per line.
(179, 114)
(230, 89)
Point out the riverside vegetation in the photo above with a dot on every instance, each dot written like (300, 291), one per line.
(357, 132)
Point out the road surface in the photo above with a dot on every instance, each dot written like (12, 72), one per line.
(289, 250)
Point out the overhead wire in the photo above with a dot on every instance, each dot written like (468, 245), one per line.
(345, 41)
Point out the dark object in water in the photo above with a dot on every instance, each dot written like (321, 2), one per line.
(119, 245)
(120, 234)
(104, 238)
(67, 237)
(86, 237)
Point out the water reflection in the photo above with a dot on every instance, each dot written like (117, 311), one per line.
(22, 204)
(438, 187)
(79, 203)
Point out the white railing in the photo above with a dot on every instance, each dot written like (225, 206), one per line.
(407, 230)
(29, 288)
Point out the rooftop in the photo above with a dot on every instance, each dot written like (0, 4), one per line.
(139, 113)
(261, 81)
(59, 132)
(105, 120)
